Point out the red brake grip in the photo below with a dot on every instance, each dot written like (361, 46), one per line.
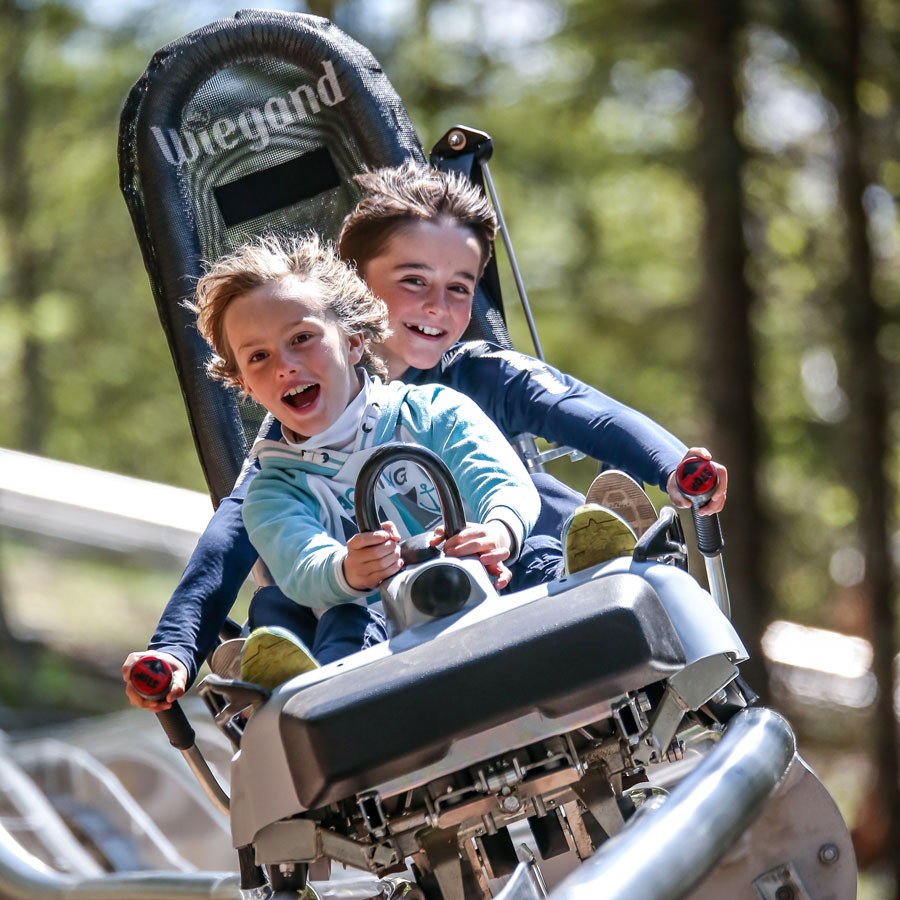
(151, 677)
(696, 478)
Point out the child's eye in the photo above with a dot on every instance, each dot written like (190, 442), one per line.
(301, 338)
(413, 280)
(463, 289)
(258, 356)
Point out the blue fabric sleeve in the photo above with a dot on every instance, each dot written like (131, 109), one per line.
(190, 623)
(523, 395)
(280, 517)
(491, 478)
(221, 561)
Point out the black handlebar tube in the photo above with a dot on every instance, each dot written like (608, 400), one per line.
(709, 532)
(436, 469)
(182, 737)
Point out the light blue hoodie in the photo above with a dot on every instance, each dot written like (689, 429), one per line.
(299, 508)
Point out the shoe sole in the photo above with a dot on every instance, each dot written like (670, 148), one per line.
(621, 493)
(226, 658)
(270, 660)
(596, 535)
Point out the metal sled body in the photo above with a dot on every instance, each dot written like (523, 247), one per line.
(476, 712)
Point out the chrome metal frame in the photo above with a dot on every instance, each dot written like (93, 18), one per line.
(697, 824)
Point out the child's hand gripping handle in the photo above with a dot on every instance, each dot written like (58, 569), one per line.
(697, 479)
(151, 677)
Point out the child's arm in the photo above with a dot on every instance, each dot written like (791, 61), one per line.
(306, 562)
(190, 623)
(491, 478)
(522, 394)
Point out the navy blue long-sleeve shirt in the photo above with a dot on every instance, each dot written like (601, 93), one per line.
(521, 395)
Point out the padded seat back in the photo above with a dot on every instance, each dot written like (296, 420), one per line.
(249, 125)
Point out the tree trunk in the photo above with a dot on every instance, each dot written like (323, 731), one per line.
(724, 319)
(22, 264)
(867, 390)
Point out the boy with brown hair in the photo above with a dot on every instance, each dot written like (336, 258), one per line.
(421, 239)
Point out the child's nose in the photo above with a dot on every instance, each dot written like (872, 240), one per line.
(285, 364)
(435, 298)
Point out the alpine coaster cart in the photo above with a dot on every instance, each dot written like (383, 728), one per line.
(597, 725)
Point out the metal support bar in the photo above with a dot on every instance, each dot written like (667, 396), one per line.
(24, 877)
(714, 805)
(718, 586)
(507, 243)
(524, 884)
(533, 455)
(210, 784)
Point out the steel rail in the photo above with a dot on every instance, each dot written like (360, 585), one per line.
(665, 852)
(25, 877)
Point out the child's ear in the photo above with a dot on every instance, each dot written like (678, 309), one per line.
(357, 345)
(244, 387)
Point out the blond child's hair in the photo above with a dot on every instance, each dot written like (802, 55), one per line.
(396, 197)
(269, 259)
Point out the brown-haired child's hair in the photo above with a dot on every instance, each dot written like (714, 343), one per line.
(396, 197)
(269, 259)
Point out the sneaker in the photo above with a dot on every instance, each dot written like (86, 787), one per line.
(623, 495)
(226, 658)
(594, 535)
(273, 655)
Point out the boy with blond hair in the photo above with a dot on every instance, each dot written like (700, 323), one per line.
(291, 325)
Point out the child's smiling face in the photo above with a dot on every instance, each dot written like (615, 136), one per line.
(426, 274)
(293, 356)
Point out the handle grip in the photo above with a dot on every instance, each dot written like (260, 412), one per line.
(447, 490)
(152, 678)
(710, 541)
(177, 728)
(697, 479)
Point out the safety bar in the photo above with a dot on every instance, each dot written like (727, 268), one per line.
(24, 877)
(37, 815)
(664, 852)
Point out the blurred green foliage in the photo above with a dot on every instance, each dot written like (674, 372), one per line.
(594, 123)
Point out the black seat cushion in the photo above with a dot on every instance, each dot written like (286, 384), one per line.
(556, 655)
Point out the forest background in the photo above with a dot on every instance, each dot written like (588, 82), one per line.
(702, 201)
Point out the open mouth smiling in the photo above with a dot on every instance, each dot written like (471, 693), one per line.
(425, 330)
(301, 396)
